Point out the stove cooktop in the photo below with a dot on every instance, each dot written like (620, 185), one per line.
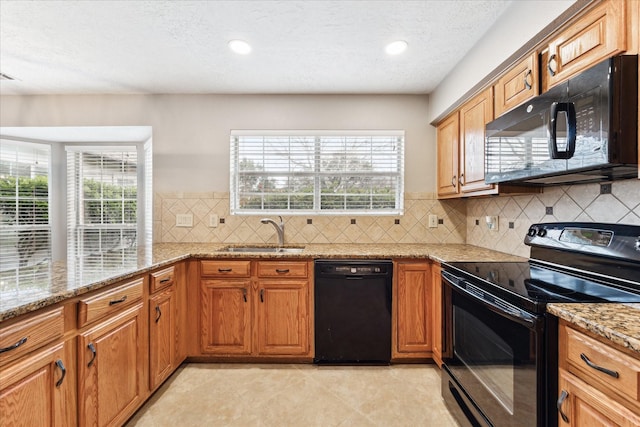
(531, 286)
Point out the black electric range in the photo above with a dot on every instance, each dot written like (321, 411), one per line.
(500, 345)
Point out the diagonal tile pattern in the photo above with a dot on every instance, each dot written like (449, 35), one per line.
(297, 395)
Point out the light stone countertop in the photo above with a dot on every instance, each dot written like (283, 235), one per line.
(619, 323)
(33, 288)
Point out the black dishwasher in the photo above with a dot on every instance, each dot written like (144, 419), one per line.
(353, 312)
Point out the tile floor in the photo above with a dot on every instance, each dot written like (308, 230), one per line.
(297, 395)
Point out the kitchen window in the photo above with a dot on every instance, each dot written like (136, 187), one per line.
(25, 230)
(102, 200)
(317, 172)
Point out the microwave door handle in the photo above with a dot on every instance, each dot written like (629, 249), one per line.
(570, 111)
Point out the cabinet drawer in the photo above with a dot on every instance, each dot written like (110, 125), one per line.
(282, 269)
(226, 268)
(30, 334)
(97, 306)
(585, 355)
(161, 279)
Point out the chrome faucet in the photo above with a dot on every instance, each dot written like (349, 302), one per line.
(279, 229)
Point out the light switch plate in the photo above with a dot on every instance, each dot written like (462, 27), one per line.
(433, 221)
(184, 220)
(213, 220)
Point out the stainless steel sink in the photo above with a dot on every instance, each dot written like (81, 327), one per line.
(267, 249)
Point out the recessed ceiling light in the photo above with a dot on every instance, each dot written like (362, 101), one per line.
(240, 47)
(396, 47)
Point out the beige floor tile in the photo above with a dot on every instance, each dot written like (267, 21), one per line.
(264, 395)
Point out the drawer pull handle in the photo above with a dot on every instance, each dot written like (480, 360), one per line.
(527, 85)
(282, 270)
(244, 294)
(159, 313)
(60, 365)
(165, 280)
(589, 363)
(118, 301)
(552, 58)
(225, 270)
(93, 357)
(561, 400)
(16, 345)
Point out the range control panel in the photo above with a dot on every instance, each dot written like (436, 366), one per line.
(611, 240)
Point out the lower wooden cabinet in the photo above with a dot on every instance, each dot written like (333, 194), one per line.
(39, 390)
(282, 317)
(225, 310)
(162, 336)
(260, 310)
(111, 369)
(413, 312)
(599, 382)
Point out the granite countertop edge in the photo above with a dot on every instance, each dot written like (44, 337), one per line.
(618, 323)
(162, 254)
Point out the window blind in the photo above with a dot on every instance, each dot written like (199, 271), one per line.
(317, 172)
(25, 232)
(102, 200)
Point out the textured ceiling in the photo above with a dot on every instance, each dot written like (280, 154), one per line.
(72, 47)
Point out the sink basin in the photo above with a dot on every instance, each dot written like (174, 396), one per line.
(268, 249)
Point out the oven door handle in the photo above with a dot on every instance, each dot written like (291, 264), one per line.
(491, 302)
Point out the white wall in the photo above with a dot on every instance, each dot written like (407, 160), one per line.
(191, 132)
(520, 22)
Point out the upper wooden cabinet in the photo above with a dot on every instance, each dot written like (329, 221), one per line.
(460, 140)
(597, 35)
(474, 115)
(517, 85)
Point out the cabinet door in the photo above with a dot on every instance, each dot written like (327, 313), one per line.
(111, 359)
(413, 310)
(517, 85)
(282, 317)
(39, 390)
(162, 336)
(474, 115)
(583, 405)
(225, 317)
(597, 35)
(436, 283)
(447, 156)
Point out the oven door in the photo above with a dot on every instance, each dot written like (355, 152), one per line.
(493, 358)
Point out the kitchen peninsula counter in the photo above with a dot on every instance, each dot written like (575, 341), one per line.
(40, 286)
(618, 323)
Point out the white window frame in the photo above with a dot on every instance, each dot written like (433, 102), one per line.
(395, 175)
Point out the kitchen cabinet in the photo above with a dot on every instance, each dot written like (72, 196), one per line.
(163, 332)
(447, 156)
(413, 311)
(39, 389)
(599, 382)
(255, 309)
(436, 287)
(517, 85)
(112, 357)
(593, 37)
(474, 115)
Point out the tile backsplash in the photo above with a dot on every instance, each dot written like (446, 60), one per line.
(412, 227)
(568, 203)
(463, 220)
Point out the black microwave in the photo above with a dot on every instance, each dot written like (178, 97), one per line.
(583, 130)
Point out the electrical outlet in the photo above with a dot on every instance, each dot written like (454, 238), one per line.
(433, 221)
(184, 220)
(213, 220)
